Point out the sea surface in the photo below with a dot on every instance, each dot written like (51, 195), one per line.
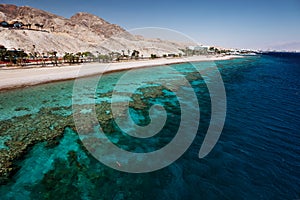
(256, 157)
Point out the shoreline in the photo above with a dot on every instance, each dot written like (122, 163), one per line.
(20, 78)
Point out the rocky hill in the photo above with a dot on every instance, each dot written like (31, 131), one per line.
(82, 32)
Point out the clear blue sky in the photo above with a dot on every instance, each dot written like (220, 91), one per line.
(229, 23)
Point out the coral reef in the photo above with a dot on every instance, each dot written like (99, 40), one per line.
(49, 123)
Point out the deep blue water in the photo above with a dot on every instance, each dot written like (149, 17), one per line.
(257, 156)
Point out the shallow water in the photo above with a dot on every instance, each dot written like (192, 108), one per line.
(257, 156)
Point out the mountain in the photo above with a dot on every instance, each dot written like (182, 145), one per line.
(96, 24)
(82, 32)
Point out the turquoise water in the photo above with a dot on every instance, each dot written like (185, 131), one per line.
(257, 156)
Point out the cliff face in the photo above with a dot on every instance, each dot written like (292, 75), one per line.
(82, 32)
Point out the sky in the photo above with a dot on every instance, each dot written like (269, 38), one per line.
(255, 24)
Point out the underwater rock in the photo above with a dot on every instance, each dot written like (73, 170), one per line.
(22, 109)
(48, 124)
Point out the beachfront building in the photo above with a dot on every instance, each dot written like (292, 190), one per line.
(16, 24)
(197, 50)
(12, 24)
(4, 24)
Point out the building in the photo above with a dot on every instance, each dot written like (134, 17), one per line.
(199, 50)
(16, 24)
(4, 24)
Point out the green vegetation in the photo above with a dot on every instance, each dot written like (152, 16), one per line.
(34, 57)
(13, 56)
(153, 56)
(103, 58)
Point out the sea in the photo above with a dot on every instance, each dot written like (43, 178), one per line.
(257, 155)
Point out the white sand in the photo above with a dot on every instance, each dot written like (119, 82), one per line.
(15, 78)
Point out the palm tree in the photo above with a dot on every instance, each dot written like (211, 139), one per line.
(20, 55)
(10, 56)
(43, 61)
(78, 55)
(33, 52)
(88, 55)
(69, 57)
(28, 26)
(128, 51)
(3, 51)
(53, 57)
(135, 54)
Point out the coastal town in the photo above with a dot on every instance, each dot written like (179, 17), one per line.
(14, 56)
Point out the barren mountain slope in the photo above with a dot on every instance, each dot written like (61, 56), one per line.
(82, 32)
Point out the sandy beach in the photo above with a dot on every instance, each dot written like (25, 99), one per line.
(17, 78)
